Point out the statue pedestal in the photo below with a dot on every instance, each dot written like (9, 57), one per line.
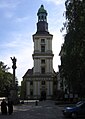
(14, 95)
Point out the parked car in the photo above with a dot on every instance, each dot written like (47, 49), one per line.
(78, 110)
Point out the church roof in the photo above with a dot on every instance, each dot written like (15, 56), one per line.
(28, 73)
(44, 33)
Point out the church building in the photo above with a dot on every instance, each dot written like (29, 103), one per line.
(39, 80)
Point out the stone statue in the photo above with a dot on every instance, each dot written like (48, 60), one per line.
(14, 62)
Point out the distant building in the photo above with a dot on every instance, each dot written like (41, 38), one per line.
(39, 81)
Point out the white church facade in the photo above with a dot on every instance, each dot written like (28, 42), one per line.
(39, 80)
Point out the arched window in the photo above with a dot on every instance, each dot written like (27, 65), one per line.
(42, 17)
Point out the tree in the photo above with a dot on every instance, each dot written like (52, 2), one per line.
(5, 79)
(73, 59)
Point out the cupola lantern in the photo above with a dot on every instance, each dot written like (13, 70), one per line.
(42, 14)
(42, 25)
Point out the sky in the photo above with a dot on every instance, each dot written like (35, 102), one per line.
(18, 20)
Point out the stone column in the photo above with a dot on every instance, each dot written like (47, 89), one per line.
(13, 92)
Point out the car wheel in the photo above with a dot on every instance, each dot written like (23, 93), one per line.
(73, 115)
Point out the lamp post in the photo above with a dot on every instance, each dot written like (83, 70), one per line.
(13, 92)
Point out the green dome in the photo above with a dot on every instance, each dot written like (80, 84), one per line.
(41, 10)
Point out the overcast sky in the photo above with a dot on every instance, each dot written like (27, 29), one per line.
(18, 20)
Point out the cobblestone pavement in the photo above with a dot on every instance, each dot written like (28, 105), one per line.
(45, 110)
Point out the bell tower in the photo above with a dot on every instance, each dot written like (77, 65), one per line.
(42, 45)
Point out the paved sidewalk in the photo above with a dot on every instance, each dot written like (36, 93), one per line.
(45, 110)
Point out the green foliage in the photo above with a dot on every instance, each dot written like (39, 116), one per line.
(73, 58)
(5, 79)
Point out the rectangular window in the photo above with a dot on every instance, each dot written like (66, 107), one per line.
(42, 40)
(42, 61)
(31, 92)
(31, 82)
(43, 70)
(42, 48)
(43, 82)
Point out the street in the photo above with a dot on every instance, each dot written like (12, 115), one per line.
(44, 110)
